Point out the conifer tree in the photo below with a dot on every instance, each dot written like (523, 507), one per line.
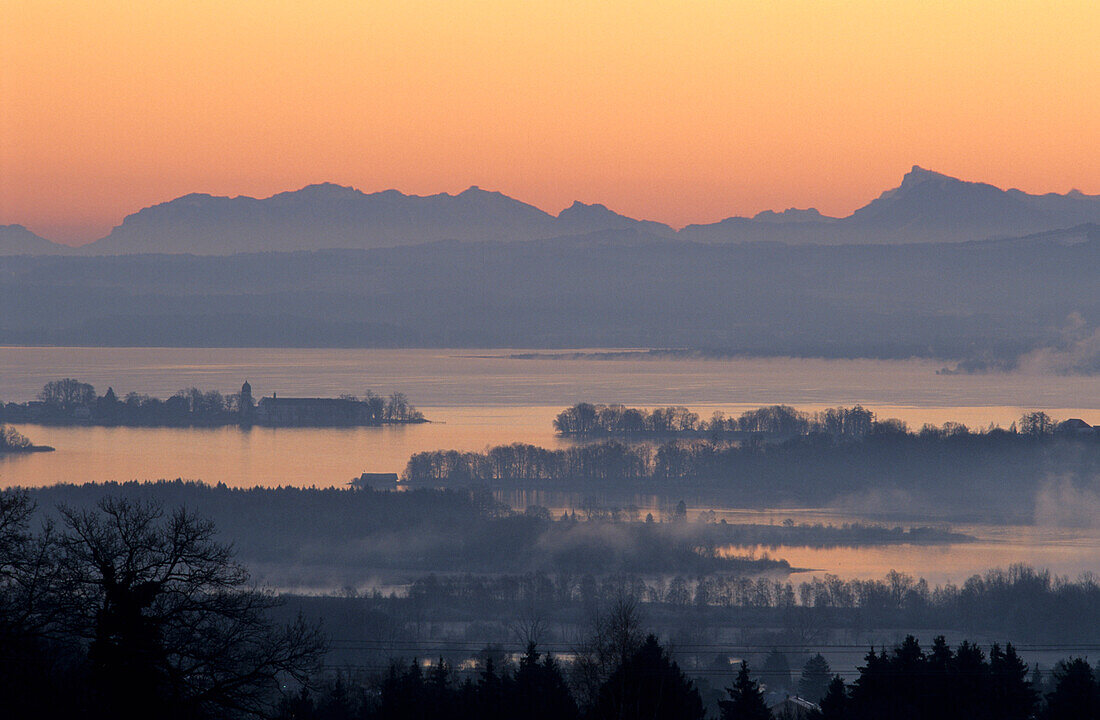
(816, 675)
(648, 686)
(540, 691)
(834, 706)
(746, 699)
(1011, 696)
(1075, 695)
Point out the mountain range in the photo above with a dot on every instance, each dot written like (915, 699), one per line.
(926, 207)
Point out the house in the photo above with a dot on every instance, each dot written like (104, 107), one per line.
(793, 707)
(297, 412)
(375, 481)
(1074, 427)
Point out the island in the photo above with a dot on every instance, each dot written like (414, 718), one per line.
(12, 441)
(71, 402)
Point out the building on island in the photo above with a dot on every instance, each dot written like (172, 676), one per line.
(376, 481)
(295, 412)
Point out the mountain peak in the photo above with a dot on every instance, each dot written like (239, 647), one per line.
(18, 240)
(790, 215)
(321, 190)
(919, 175)
(580, 208)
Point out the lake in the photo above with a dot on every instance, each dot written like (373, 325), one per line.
(475, 398)
(478, 398)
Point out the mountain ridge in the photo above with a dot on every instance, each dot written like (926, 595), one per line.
(927, 206)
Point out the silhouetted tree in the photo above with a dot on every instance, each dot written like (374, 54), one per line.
(1011, 696)
(1075, 695)
(539, 691)
(376, 407)
(776, 672)
(615, 636)
(871, 694)
(970, 678)
(1036, 423)
(41, 674)
(815, 678)
(402, 695)
(834, 705)
(66, 395)
(173, 628)
(746, 699)
(648, 686)
(11, 440)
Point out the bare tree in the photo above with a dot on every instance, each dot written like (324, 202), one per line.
(40, 668)
(530, 628)
(67, 394)
(615, 634)
(1036, 423)
(174, 627)
(11, 440)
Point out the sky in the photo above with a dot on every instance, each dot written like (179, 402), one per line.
(686, 111)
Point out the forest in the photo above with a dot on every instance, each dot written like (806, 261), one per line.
(788, 458)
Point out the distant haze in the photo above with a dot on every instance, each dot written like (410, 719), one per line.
(985, 301)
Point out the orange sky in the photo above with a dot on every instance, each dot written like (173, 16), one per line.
(685, 111)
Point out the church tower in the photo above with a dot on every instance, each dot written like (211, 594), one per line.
(247, 406)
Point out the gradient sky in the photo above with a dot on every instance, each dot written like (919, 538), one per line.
(685, 111)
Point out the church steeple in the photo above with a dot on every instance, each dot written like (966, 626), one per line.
(247, 406)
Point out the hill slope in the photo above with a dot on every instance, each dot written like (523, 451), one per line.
(18, 240)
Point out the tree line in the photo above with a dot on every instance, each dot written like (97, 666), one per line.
(780, 421)
(1020, 601)
(806, 468)
(619, 673)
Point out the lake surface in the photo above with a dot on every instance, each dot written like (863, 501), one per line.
(479, 398)
(475, 398)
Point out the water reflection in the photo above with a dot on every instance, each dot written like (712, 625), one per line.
(262, 456)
